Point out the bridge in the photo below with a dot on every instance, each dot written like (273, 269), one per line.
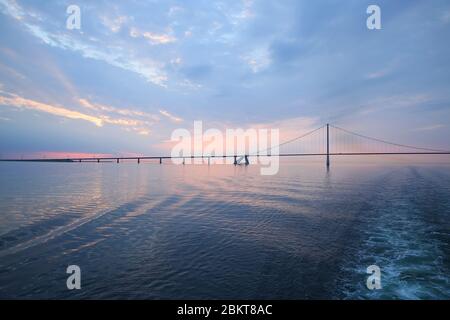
(327, 140)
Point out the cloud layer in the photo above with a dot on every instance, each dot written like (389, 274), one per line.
(148, 67)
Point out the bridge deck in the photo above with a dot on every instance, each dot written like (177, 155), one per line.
(112, 159)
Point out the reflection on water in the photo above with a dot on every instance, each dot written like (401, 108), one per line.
(161, 231)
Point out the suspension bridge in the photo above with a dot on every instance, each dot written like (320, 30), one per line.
(327, 140)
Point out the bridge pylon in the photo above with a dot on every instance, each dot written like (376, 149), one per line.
(328, 145)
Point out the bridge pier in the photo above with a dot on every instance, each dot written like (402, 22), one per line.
(235, 160)
(160, 160)
(98, 160)
(246, 161)
(117, 160)
(139, 160)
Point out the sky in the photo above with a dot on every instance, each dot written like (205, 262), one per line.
(137, 70)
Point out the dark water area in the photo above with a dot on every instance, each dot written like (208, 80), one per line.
(153, 231)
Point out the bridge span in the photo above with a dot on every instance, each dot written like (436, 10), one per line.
(326, 141)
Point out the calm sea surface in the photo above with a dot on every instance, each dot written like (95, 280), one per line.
(153, 231)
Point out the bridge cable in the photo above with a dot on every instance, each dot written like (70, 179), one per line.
(387, 142)
(294, 139)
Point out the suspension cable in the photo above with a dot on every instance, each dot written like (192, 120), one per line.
(294, 139)
(387, 142)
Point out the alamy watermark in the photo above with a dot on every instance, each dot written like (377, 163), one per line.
(374, 280)
(74, 280)
(73, 20)
(234, 146)
(374, 20)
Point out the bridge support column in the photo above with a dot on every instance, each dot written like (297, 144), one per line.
(246, 161)
(160, 160)
(328, 145)
(98, 160)
(117, 160)
(139, 160)
(235, 160)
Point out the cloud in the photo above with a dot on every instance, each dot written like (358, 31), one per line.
(377, 74)
(12, 9)
(174, 10)
(176, 61)
(132, 120)
(257, 60)
(114, 24)
(158, 38)
(134, 33)
(430, 127)
(170, 116)
(11, 71)
(398, 101)
(143, 132)
(120, 57)
(124, 112)
(245, 12)
(186, 83)
(148, 69)
(154, 38)
(19, 102)
(104, 114)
